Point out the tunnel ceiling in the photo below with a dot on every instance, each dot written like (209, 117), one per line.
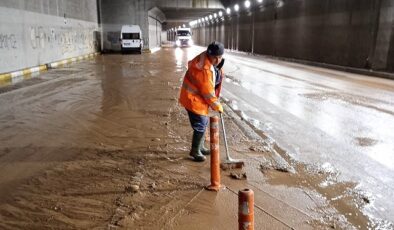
(187, 14)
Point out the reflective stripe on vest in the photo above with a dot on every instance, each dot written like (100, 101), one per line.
(194, 91)
(191, 79)
(190, 89)
(208, 96)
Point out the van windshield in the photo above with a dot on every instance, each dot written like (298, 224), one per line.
(130, 35)
(183, 33)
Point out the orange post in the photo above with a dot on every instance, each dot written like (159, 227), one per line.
(215, 155)
(246, 209)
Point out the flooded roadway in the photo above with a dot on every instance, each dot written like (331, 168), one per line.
(123, 107)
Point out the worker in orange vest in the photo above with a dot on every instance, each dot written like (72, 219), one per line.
(200, 90)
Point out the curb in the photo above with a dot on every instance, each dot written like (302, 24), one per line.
(348, 69)
(9, 77)
(53, 65)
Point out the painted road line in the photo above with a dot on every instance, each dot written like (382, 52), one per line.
(70, 60)
(53, 64)
(18, 76)
(5, 79)
(19, 73)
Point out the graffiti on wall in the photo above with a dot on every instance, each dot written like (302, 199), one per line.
(67, 39)
(37, 37)
(8, 41)
(41, 44)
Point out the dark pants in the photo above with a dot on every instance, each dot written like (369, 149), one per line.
(198, 122)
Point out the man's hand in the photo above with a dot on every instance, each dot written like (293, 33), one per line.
(220, 108)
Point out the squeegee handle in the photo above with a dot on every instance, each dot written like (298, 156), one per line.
(224, 136)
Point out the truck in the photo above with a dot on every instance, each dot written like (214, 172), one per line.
(183, 37)
(131, 38)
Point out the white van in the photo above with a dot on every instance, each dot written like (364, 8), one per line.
(131, 38)
(183, 37)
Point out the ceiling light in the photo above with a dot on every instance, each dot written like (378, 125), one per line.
(236, 7)
(215, 15)
(220, 13)
(247, 3)
(228, 10)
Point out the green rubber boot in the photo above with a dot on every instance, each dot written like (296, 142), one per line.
(204, 150)
(196, 147)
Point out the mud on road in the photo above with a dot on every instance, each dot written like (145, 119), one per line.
(103, 144)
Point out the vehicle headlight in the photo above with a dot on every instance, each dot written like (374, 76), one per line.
(178, 42)
(190, 42)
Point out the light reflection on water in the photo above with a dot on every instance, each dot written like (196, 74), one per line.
(178, 56)
(326, 110)
(382, 153)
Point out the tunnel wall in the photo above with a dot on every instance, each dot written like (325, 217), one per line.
(155, 21)
(351, 33)
(114, 14)
(154, 32)
(38, 32)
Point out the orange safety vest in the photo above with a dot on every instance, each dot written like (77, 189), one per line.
(198, 88)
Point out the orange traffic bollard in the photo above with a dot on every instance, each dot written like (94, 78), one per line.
(215, 155)
(246, 209)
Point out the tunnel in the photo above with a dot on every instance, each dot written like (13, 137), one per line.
(196, 114)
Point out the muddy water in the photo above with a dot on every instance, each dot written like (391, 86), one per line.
(104, 144)
(64, 137)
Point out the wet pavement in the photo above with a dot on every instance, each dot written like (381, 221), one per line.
(104, 144)
(337, 121)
